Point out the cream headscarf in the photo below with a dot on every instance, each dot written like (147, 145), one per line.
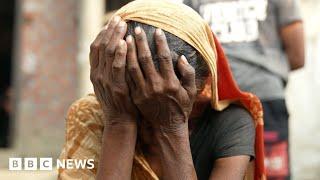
(185, 23)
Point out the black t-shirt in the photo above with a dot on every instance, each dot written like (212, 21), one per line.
(221, 134)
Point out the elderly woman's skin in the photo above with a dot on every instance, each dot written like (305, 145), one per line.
(164, 102)
(108, 59)
(162, 99)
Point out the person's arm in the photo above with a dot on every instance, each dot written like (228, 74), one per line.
(292, 37)
(230, 168)
(175, 155)
(164, 101)
(108, 61)
(290, 28)
(117, 152)
(235, 134)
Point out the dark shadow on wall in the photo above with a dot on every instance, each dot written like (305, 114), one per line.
(115, 4)
(7, 9)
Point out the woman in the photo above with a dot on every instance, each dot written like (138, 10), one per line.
(150, 117)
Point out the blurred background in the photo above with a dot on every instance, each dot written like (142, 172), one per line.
(44, 67)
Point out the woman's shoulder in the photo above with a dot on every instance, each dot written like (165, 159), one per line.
(86, 110)
(233, 132)
(87, 102)
(83, 135)
(232, 110)
(234, 115)
(225, 133)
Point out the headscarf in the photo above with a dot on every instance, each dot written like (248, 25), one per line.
(185, 23)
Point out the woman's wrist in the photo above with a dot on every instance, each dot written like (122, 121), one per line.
(119, 119)
(175, 132)
(121, 127)
(118, 147)
(175, 152)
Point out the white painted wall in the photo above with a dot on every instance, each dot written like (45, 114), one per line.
(91, 20)
(303, 99)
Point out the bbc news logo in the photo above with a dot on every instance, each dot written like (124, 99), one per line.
(45, 164)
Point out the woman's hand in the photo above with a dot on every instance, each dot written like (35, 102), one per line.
(162, 99)
(108, 61)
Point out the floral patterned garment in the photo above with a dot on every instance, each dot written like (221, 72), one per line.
(83, 140)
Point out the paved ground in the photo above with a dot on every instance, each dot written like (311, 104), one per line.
(27, 175)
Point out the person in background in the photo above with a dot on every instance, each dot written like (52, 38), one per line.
(264, 41)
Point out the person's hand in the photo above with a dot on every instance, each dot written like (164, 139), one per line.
(108, 61)
(162, 99)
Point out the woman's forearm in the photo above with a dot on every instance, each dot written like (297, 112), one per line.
(175, 154)
(117, 151)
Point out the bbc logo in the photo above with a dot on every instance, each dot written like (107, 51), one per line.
(30, 164)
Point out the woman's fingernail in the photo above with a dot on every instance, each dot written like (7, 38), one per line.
(129, 39)
(116, 19)
(122, 24)
(159, 32)
(137, 30)
(184, 59)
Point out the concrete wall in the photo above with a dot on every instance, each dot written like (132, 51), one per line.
(45, 75)
(51, 70)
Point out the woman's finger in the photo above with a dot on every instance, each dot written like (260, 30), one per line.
(163, 52)
(187, 75)
(105, 40)
(133, 64)
(119, 63)
(144, 54)
(118, 34)
(94, 48)
(131, 85)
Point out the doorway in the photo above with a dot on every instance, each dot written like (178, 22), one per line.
(112, 5)
(7, 17)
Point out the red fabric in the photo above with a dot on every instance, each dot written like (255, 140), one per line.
(229, 90)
